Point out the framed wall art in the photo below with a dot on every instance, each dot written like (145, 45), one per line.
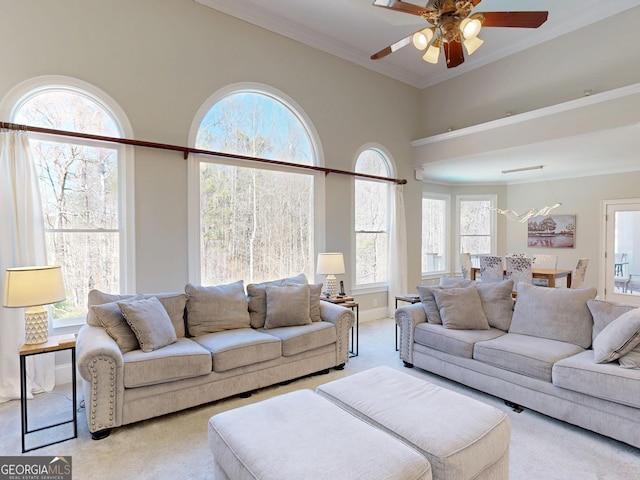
(552, 231)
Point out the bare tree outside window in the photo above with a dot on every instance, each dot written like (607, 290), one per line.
(78, 182)
(475, 226)
(256, 223)
(433, 234)
(371, 220)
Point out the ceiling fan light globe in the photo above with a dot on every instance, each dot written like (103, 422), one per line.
(470, 27)
(432, 54)
(473, 44)
(422, 38)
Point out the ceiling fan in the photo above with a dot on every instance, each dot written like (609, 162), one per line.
(453, 25)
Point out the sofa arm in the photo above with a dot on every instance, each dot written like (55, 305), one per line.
(407, 318)
(343, 318)
(101, 366)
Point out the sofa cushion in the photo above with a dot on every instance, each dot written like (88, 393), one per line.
(524, 354)
(97, 297)
(608, 381)
(110, 318)
(182, 359)
(455, 342)
(174, 304)
(461, 308)
(240, 347)
(618, 338)
(425, 292)
(287, 306)
(604, 313)
(257, 298)
(554, 313)
(303, 338)
(216, 308)
(497, 302)
(150, 322)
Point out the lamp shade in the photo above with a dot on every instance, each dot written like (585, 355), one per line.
(330, 264)
(33, 286)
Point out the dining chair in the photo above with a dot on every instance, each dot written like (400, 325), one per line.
(581, 270)
(491, 268)
(519, 270)
(549, 261)
(465, 265)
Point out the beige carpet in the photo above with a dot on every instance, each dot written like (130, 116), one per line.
(175, 446)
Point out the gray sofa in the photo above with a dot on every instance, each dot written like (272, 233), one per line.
(558, 351)
(141, 356)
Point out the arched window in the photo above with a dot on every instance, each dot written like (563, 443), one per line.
(256, 220)
(82, 189)
(372, 219)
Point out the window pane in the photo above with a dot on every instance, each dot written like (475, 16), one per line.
(250, 230)
(475, 217)
(372, 162)
(371, 206)
(371, 252)
(433, 235)
(475, 245)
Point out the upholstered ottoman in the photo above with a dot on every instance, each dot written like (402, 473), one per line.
(461, 437)
(300, 435)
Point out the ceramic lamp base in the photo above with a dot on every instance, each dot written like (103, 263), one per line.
(332, 285)
(36, 326)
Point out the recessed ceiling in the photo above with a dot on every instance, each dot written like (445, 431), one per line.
(355, 29)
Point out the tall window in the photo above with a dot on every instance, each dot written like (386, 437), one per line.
(81, 191)
(372, 220)
(476, 223)
(435, 227)
(256, 220)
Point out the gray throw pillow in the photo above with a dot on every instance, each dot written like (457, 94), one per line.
(618, 338)
(315, 292)
(604, 313)
(258, 302)
(631, 359)
(110, 317)
(216, 308)
(425, 292)
(150, 322)
(554, 313)
(287, 306)
(497, 303)
(455, 282)
(461, 308)
(97, 297)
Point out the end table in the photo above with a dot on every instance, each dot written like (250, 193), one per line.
(348, 302)
(54, 344)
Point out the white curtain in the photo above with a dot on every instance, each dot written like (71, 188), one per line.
(22, 243)
(397, 249)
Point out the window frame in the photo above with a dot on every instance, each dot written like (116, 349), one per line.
(493, 199)
(376, 287)
(447, 234)
(9, 107)
(194, 161)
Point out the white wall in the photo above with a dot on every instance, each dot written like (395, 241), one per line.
(161, 60)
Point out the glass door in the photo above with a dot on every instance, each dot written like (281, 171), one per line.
(622, 257)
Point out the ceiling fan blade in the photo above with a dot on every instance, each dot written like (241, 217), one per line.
(394, 47)
(453, 53)
(400, 6)
(514, 19)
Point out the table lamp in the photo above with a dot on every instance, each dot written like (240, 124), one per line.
(330, 264)
(33, 287)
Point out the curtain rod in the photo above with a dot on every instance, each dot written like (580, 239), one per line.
(187, 150)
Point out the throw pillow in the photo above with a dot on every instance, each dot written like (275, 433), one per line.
(110, 317)
(150, 322)
(96, 297)
(631, 359)
(455, 282)
(461, 308)
(554, 313)
(604, 313)
(287, 306)
(315, 292)
(425, 292)
(216, 308)
(618, 338)
(497, 302)
(258, 302)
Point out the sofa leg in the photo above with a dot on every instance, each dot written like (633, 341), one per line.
(245, 394)
(339, 367)
(407, 364)
(321, 372)
(516, 408)
(100, 434)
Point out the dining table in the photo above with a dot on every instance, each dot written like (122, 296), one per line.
(549, 274)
